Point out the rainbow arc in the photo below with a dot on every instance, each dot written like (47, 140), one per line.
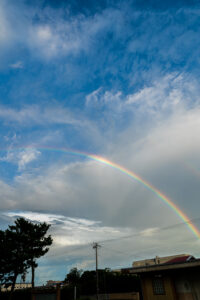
(130, 174)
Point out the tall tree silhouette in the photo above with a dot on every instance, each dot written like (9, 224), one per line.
(35, 243)
(13, 258)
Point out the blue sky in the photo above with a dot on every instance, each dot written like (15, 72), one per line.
(119, 79)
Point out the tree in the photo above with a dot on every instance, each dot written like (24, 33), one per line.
(20, 245)
(35, 243)
(12, 257)
(2, 256)
(88, 283)
(73, 276)
(109, 282)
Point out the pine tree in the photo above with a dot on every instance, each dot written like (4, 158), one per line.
(13, 258)
(35, 243)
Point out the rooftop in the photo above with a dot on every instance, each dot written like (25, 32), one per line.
(174, 264)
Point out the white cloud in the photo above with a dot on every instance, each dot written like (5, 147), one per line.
(5, 31)
(99, 98)
(147, 146)
(84, 265)
(171, 103)
(119, 246)
(44, 33)
(160, 134)
(93, 98)
(70, 35)
(156, 148)
(68, 231)
(21, 158)
(35, 114)
(170, 94)
(47, 117)
(59, 36)
(45, 40)
(165, 93)
(27, 156)
(149, 231)
(17, 65)
(8, 200)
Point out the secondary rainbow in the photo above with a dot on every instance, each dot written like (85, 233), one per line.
(132, 175)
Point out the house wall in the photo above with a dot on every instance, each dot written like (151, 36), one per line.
(194, 280)
(196, 288)
(179, 285)
(147, 289)
(183, 288)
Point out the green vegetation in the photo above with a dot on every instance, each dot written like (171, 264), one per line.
(17, 295)
(20, 245)
(85, 283)
(109, 282)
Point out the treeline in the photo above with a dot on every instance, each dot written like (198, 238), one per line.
(20, 246)
(109, 282)
(17, 295)
(85, 283)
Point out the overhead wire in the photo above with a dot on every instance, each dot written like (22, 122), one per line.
(156, 230)
(138, 234)
(138, 254)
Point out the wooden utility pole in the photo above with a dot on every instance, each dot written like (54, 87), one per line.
(96, 246)
(75, 292)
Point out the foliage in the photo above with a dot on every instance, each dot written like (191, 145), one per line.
(88, 282)
(35, 242)
(109, 282)
(20, 245)
(68, 293)
(17, 295)
(73, 277)
(12, 256)
(3, 256)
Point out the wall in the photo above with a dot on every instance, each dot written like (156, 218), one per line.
(147, 288)
(183, 288)
(115, 296)
(179, 285)
(188, 285)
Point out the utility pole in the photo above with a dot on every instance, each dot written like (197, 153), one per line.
(96, 246)
(75, 292)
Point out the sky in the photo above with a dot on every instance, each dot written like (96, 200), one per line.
(116, 79)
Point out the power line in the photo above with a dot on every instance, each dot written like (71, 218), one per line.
(72, 251)
(141, 233)
(138, 254)
(117, 251)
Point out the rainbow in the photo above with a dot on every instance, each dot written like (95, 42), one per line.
(132, 175)
(164, 198)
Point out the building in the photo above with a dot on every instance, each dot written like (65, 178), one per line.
(160, 260)
(54, 283)
(18, 286)
(176, 278)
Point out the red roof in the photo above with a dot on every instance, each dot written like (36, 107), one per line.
(180, 259)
